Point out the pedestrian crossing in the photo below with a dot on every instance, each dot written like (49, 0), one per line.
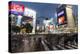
(73, 46)
(59, 46)
(63, 47)
(45, 46)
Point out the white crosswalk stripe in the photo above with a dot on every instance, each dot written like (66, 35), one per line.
(55, 48)
(59, 46)
(45, 46)
(74, 46)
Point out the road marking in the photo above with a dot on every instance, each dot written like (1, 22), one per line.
(73, 46)
(55, 48)
(45, 46)
(61, 46)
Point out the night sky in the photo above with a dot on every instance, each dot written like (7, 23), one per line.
(45, 9)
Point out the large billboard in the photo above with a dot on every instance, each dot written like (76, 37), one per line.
(29, 12)
(61, 17)
(16, 9)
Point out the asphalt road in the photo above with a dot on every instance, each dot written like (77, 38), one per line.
(21, 43)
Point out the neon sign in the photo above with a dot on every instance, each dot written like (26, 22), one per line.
(61, 13)
(16, 9)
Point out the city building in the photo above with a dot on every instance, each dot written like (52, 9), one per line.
(30, 16)
(21, 15)
(65, 18)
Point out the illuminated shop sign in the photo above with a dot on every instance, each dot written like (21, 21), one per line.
(16, 9)
(29, 12)
(61, 13)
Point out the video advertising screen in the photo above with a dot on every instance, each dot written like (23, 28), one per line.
(61, 17)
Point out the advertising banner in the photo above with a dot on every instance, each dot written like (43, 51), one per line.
(62, 17)
(16, 9)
